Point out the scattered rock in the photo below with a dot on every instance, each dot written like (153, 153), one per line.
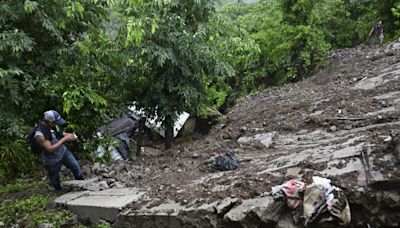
(70, 223)
(45, 225)
(51, 204)
(293, 172)
(195, 155)
(96, 167)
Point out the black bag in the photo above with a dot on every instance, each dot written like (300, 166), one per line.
(36, 148)
(226, 161)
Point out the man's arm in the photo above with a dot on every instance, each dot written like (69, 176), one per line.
(46, 144)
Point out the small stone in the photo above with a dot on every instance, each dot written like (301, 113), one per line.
(147, 170)
(117, 185)
(87, 170)
(50, 205)
(388, 139)
(70, 222)
(179, 170)
(45, 225)
(293, 172)
(360, 189)
(243, 129)
(348, 127)
(104, 222)
(96, 166)
(333, 128)
(195, 155)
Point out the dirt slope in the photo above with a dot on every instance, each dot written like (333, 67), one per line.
(341, 123)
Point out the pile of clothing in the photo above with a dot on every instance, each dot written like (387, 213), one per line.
(322, 202)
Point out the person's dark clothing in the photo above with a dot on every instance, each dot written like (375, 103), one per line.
(377, 30)
(52, 161)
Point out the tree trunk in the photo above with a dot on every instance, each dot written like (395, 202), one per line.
(169, 132)
(139, 142)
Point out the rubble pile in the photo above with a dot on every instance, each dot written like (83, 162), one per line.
(341, 124)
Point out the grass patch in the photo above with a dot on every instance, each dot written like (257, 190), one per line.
(22, 185)
(31, 211)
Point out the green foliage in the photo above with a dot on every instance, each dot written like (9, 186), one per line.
(395, 10)
(54, 55)
(168, 40)
(30, 212)
(21, 185)
(107, 142)
(16, 159)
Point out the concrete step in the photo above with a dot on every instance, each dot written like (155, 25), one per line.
(96, 205)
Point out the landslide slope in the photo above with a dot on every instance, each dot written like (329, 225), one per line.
(342, 123)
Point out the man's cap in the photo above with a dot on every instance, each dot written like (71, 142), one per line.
(54, 116)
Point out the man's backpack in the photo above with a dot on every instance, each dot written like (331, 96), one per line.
(34, 144)
(36, 148)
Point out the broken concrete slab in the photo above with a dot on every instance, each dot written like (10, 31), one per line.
(77, 185)
(317, 155)
(346, 166)
(370, 83)
(264, 210)
(104, 205)
(225, 205)
(265, 139)
(380, 181)
(170, 214)
(387, 95)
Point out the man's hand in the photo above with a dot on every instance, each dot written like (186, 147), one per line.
(71, 134)
(69, 137)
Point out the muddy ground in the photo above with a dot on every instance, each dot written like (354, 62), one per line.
(342, 123)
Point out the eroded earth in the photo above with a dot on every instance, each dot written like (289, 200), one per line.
(342, 123)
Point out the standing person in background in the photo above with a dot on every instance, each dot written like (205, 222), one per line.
(376, 32)
(55, 153)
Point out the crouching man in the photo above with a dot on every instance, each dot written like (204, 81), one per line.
(55, 153)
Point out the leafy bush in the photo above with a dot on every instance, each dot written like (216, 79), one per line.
(30, 212)
(21, 185)
(16, 159)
